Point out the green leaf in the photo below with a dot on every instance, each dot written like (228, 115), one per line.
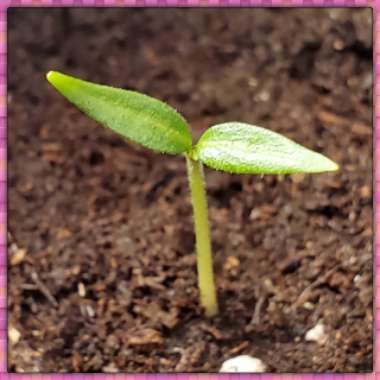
(246, 149)
(140, 118)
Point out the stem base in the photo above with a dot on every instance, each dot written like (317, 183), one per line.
(202, 237)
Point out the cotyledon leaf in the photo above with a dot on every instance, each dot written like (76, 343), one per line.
(137, 117)
(247, 149)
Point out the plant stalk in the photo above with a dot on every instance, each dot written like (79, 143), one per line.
(202, 238)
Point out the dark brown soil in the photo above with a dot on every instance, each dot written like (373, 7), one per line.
(102, 273)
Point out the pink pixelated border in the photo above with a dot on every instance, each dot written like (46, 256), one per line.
(4, 4)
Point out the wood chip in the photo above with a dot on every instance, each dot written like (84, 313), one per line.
(331, 118)
(145, 337)
(63, 233)
(365, 192)
(18, 257)
(232, 262)
(361, 129)
(357, 127)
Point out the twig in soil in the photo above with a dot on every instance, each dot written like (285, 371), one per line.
(28, 286)
(257, 312)
(239, 348)
(43, 289)
(190, 357)
(306, 293)
(216, 334)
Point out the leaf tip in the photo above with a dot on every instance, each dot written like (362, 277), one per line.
(50, 76)
(336, 167)
(56, 78)
(330, 165)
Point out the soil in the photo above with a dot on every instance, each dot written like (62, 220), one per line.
(102, 270)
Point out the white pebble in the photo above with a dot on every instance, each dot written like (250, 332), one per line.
(317, 334)
(243, 363)
(357, 278)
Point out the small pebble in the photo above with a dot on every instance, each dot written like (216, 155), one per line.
(308, 305)
(110, 368)
(90, 311)
(252, 82)
(352, 260)
(264, 96)
(231, 263)
(357, 279)
(316, 334)
(81, 290)
(14, 335)
(243, 364)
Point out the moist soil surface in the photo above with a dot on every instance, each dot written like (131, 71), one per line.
(102, 269)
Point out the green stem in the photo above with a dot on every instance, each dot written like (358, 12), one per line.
(202, 238)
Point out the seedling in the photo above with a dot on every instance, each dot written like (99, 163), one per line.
(233, 147)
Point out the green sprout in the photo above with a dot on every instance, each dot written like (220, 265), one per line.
(233, 147)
